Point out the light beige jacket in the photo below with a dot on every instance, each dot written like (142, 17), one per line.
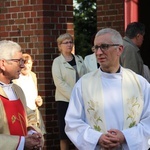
(64, 76)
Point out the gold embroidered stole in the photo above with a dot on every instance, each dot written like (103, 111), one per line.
(132, 98)
(94, 101)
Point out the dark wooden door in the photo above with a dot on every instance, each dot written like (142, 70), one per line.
(144, 11)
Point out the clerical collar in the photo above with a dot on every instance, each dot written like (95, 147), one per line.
(3, 84)
(118, 70)
(115, 72)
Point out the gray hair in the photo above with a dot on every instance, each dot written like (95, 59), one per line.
(8, 49)
(115, 35)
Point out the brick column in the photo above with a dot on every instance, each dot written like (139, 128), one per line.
(35, 25)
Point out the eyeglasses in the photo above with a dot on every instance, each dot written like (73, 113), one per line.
(21, 61)
(103, 47)
(70, 42)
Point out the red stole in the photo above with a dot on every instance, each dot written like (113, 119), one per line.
(15, 115)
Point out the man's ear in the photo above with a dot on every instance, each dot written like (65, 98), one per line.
(2, 64)
(120, 49)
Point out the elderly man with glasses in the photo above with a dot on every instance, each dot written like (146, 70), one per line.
(17, 129)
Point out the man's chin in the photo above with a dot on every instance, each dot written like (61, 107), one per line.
(16, 77)
(102, 63)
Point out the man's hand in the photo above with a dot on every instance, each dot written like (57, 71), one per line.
(109, 141)
(118, 134)
(38, 101)
(34, 141)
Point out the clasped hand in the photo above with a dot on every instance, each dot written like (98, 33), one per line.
(112, 139)
(34, 142)
(39, 101)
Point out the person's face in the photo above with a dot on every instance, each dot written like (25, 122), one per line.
(66, 46)
(27, 67)
(11, 68)
(108, 56)
(139, 40)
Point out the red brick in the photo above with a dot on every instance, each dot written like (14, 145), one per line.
(14, 34)
(14, 27)
(27, 14)
(2, 16)
(7, 4)
(27, 33)
(8, 28)
(14, 15)
(26, 2)
(20, 15)
(38, 20)
(1, 4)
(19, 3)
(27, 8)
(21, 39)
(14, 9)
(38, 7)
(33, 14)
(4, 34)
(13, 3)
(33, 26)
(2, 28)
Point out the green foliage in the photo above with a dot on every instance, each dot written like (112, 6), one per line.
(85, 23)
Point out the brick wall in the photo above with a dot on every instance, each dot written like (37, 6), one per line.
(110, 13)
(35, 25)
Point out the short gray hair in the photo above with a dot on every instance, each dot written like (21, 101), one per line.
(115, 35)
(8, 49)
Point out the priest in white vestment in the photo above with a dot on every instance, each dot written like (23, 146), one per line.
(109, 108)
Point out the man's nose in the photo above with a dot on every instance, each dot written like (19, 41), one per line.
(99, 51)
(22, 65)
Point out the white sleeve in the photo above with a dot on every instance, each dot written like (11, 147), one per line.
(77, 129)
(22, 140)
(21, 144)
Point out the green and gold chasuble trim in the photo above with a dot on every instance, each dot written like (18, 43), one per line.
(94, 102)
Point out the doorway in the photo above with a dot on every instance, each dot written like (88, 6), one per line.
(144, 10)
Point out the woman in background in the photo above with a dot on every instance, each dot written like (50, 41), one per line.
(66, 70)
(28, 82)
